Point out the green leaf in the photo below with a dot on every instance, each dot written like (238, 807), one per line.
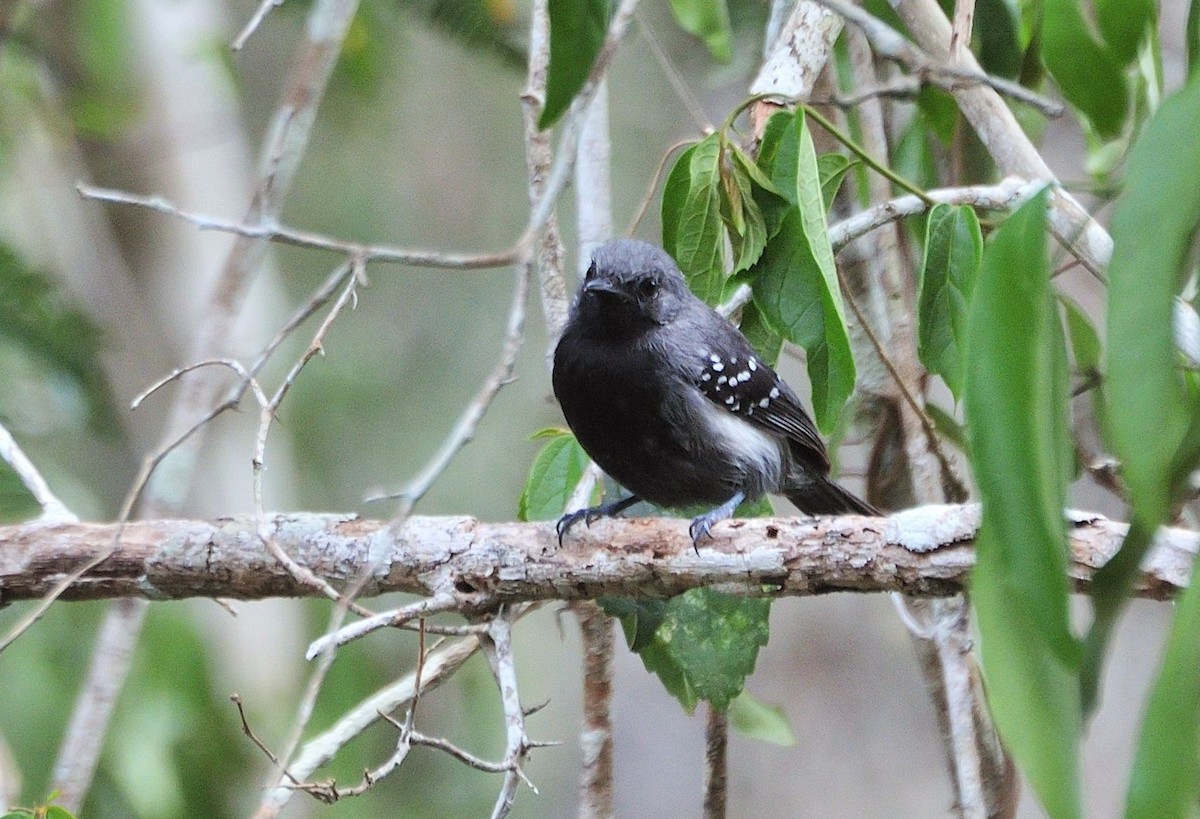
(1085, 70)
(577, 29)
(953, 252)
(41, 321)
(1124, 24)
(765, 341)
(58, 812)
(795, 282)
(1033, 697)
(1085, 341)
(691, 218)
(1017, 414)
(1166, 772)
(708, 20)
(796, 302)
(831, 170)
(1016, 411)
(755, 719)
(1153, 229)
(556, 470)
(744, 220)
(704, 643)
(640, 619)
(714, 638)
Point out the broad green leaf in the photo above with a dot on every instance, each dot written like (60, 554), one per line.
(831, 170)
(1017, 414)
(765, 341)
(556, 470)
(640, 619)
(1016, 411)
(1153, 229)
(715, 638)
(58, 812)
(953, 252)
(1166, 772)
(796, 302)
(1084, 69)
(704, 643)
(41, 321)
(1124, 24)
(795, 282)
(691, 218)
(577, 29)
(1085, 341)
(938, 113)
(753, 718)
(708, 20)
(1033, 697)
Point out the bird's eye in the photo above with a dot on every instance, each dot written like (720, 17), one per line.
(648, 287)
(591, 272)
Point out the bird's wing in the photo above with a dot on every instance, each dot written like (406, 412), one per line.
(736, 379)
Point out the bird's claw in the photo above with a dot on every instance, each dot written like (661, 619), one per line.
(701, 528)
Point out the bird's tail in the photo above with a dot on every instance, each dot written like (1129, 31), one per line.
(821, 496)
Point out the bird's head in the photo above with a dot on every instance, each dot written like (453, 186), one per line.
(630, 287)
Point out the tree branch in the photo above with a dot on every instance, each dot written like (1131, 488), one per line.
(924, 552)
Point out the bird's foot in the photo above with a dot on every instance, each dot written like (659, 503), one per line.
(592, 513)
(702, 525)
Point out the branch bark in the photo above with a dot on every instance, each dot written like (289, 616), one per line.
(923, 552)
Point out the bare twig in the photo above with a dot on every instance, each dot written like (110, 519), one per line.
(891, 45)
(596, 736)
(387, 619)
(53, 510)
(267, 230)
(1005, 195)
(497, 645)
(253, 23)
(716, 744)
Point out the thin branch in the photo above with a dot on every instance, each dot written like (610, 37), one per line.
(1006, 195)
(678, 85)
(596, 737)
(716, 746)
(272, 232)
(891, 45)
(53, 510)
(254, 22)
(497, 645)
(387, 619)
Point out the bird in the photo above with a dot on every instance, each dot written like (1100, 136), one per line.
(672, 402)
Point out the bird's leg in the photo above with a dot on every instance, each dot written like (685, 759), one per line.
(702, 525)
(592, 513)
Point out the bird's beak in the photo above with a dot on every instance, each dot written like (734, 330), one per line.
(598, 285)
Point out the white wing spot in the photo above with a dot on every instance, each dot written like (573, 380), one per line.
(744, 375)
(722, 380)
(764, 403)
(717, 365)
(774, 393)
(714, 358)
(730, 400)
(705, 376)
(753, 364)
(733, 360)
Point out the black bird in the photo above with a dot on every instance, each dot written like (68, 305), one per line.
(670, 399)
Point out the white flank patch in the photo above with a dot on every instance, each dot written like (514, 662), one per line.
(754, 447)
